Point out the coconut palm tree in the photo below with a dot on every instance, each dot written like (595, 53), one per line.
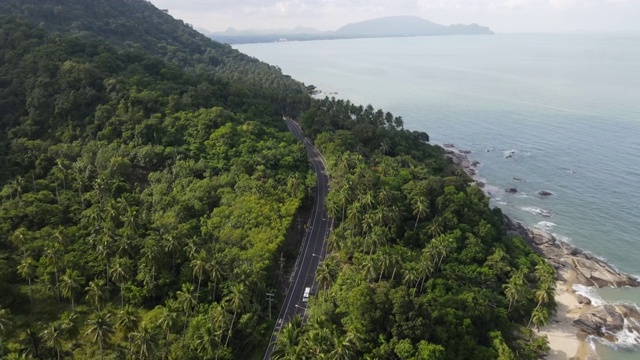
(343, 347)
(127, 321)
(236, 299)
(120, 274)
(288, 340)
(27, 270)
(69, 326)
(52, 337)
(188, 301)
(167, 320)
(70, 285)
(539, 317)
(99, 330)
(411, 276)
(96, 292)
(326, 273)
(419, 205)
(215, 275)
(5, 324)
(145, 343)
(199, 267)
(513, 288)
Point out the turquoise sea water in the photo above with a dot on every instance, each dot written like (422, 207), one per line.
(567, 106)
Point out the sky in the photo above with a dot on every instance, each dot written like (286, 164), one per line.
(502, 16)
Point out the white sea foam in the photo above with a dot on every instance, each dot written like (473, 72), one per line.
(590, 293)
(545, 225)
(626, 338)
(537, 211)
(509, 153)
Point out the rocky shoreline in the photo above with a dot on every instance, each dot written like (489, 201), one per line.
(573, 266)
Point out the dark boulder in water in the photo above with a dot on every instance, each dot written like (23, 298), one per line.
(545, 193)
(511, 190)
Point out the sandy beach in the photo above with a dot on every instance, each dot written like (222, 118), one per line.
(564, 340)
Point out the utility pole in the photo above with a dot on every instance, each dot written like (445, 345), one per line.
(270, 299)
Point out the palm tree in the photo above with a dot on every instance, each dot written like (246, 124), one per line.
(150, 255)
(187, 300)
(288, 339)
(215, 274)
(5, 324)
(100, 330)
(52, 337)
(145, 342)
(385, 257)
(51, 258)
(436, 226)
(27, 270)
(96, 292)
(80, 172)
(343, 347)
(69, 327)
(19, 239)
(172, 246)
(120, 274)
(70, 284)
(325, 274)
(419, 205)
(539, 317)
(236, 300)
(167, 319)
(513, 288)
(411, 276)
(199, 266)
(31, 345)
(219, 317)
(368, 267)
(127, 321)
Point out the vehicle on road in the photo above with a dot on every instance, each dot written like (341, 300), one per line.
(305, 296)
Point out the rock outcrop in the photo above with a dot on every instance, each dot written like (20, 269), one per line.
(607, 321)
(589, 270)
(545, 193)
(583, 300)
(511, 190)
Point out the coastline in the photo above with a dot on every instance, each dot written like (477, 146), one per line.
(566, 338)
(565, 342)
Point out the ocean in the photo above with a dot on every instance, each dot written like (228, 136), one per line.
(566, 107)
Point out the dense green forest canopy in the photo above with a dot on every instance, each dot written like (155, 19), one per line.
(138, 24)
(419, 266)
(141, 205)
(148, 185)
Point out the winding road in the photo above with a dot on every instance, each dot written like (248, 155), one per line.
(312, 249)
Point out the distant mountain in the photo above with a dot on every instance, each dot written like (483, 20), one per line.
(407, 26)
(392, 26)
(264, 32)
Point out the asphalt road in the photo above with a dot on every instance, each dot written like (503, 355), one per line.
(312, 249)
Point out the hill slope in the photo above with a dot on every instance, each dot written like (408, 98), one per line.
(146, 199)
(138, 24)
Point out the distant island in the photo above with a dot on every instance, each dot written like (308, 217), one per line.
(392, 26)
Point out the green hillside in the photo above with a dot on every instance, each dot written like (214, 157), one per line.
(137, 24)
(149, 186)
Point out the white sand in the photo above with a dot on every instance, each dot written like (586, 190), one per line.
(563, 337)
